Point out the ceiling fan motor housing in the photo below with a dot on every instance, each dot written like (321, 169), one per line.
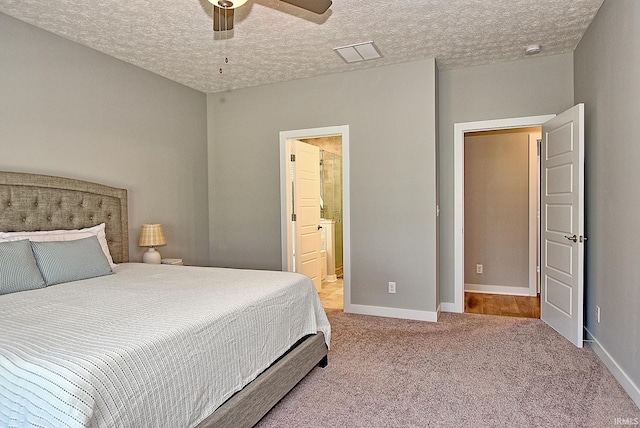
(223, 10)
(222, 19)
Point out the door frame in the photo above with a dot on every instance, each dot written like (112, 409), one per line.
(458, 184)
(285, 196)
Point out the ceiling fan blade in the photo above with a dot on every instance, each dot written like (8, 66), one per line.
(315, 6)
(222, 19)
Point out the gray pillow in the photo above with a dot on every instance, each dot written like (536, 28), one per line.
(18, 268)
(65, 261)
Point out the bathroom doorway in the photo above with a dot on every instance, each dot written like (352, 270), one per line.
(331, 232)
(333, 227)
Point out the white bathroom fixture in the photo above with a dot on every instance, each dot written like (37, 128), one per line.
(329, 235)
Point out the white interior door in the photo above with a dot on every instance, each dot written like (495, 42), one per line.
(306, 196)
(562, 224)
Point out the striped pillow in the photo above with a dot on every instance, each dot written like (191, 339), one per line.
(63, 235)
(66, 261)
(18, 268)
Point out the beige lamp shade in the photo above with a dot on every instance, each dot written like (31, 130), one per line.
(151, 235)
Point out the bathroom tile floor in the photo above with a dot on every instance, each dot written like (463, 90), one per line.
(332, 294)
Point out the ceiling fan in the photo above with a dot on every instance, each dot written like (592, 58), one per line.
(223, 10)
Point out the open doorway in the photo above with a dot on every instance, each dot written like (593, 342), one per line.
(460, 129)
(562, 216)
(501, 188)
(331, 221)
(332, 207)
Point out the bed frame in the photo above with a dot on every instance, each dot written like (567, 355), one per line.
(30, 202)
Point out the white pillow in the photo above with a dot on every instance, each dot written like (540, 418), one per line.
(63, 235)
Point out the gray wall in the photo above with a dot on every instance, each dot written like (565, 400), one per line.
(496, 208)
(70, 111)
(393, 176)
(534, 86)
(607, 80)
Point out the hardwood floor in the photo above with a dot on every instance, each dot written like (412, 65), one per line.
(332, 297)
(500, 304)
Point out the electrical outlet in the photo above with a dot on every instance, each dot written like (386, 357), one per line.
(479, 268)
(392, 287)
(597, 313)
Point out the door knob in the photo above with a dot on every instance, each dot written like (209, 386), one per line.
(573, 238)
(319, 227)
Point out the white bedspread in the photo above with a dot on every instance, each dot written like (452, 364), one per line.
(151, 346)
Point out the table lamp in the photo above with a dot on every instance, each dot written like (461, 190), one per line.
(151, 235)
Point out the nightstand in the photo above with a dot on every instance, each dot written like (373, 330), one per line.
(175, 262)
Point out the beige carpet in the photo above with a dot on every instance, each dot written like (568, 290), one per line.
(464, 371)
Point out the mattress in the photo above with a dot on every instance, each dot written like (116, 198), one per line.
(149, 346)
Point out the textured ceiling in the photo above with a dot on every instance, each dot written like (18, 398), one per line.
(275, 41)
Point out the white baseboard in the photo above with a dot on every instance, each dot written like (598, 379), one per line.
(447, 307)
(623, 379)
(380, 311)
(498, 289)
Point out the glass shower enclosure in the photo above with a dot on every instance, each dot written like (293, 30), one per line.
(331, 199)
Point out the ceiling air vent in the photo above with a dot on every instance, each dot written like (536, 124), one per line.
(358, 52)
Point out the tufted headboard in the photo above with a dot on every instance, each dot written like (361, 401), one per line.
(30, 202)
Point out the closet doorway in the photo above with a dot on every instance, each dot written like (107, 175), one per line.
(562, 239)
(460, 129)
(501, 221)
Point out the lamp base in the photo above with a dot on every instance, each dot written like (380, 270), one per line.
(151, 256)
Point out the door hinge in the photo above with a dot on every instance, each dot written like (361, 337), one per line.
(293, 158)
(293, 217)
(539, 146)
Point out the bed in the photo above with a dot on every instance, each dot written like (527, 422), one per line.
(146, 345)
